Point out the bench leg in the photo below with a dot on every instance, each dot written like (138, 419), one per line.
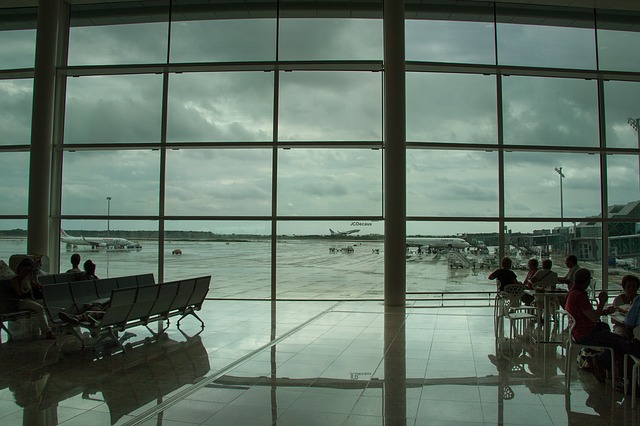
(187, 313)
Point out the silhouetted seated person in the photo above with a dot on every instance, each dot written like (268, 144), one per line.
(75, 263)
(504, 275)
(21, 285)
(589, 330)
(622, 303)
(90, 270)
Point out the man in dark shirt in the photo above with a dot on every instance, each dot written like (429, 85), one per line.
(504, 275)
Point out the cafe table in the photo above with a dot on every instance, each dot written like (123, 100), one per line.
(547, 296)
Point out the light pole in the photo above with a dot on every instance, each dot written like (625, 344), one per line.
(635, 123)
(108, 214)
(559, 170)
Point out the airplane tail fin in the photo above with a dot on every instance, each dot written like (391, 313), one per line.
(332, 231)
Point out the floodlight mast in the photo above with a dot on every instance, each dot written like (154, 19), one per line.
(108, 214)
(635, 123)
(562, 176)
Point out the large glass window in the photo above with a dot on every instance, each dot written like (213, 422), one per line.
(545, 37)
(623, 179)
(437, 32)
(330, 106)
(622, 112)
(16, 102)
(14, 182)
(451, 108)
(95, 39)
(325, 38)
(330, 182)
(618, 34)
(452, 183)
(17, 48)
(106, 243)
(220, 107)
(13, 238)
(532, 184)
(129, 178)
(236, 253)
(218, 182)
(113, 109)
(447, 256)
(330, 260)
(550, 111)
(220, 40)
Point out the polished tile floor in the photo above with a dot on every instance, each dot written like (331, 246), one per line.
(307, 363)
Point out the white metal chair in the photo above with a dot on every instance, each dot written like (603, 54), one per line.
(507, 305)
(634, 371)
(570, 344)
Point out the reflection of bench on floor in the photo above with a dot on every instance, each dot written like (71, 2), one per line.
(130, 304)
(126, 383)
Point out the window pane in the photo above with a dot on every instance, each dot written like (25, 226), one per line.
(237, 255)
(220, 107)
(14, 238)
(348, 264)
(451, 256)
(218, 182)
(618, 36)
(97, 38)
(622, 112)
(452, 183)
(330, 106)
(451, 108)
(549, 240)
(220, 40)
(18, 47)
(624, 246)
(532, 185)
(622, 179)
(130, 178)
(550, 111)
(16, 104)
(14, 182)
(330, 182)
(113, 109)
(141, 257)
(546, 37)
(462, 32)
(330, 39)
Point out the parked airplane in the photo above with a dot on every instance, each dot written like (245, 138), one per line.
(342, 233)
(438, 243)
(94, 242)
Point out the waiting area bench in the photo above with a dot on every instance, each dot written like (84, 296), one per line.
(131, 301)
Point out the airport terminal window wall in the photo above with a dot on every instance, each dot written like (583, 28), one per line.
(260, 128)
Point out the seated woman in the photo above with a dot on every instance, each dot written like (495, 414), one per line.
(21, 285)
(622, 303)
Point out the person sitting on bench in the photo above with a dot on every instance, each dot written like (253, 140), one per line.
(21, 285)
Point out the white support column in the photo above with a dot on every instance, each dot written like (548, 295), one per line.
(42, 126)
(394, 155)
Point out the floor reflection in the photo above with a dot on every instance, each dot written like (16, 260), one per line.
(46, 376)
(312, 363)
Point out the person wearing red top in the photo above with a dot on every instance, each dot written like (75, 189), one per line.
(588, 330)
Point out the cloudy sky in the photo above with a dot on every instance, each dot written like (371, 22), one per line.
(327, 106)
